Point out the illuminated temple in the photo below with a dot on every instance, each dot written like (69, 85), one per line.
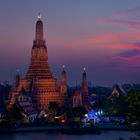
(39, 82)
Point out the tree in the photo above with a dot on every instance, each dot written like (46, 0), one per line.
(53, 106)
(52, 109)
(13, 115)
(79, 111)
(115, 106)
(133, 101)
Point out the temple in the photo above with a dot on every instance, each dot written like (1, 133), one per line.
(85, 95)
(39, 82)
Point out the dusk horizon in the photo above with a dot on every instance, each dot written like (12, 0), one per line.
(70, 69)
(102, 39)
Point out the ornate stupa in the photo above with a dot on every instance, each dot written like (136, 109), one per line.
(85, 94)
(39, 81)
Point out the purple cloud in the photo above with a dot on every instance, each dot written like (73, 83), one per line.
(130, 18)
(130, 53)
(132, 24)
(135, 10)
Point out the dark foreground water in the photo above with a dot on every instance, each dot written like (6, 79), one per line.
(105, 135)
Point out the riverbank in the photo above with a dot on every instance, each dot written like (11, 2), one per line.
(117, 127)
(33, 129)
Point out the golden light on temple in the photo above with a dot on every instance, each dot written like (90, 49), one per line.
(39, 81)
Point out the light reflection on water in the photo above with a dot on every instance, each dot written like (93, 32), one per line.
(105, 135)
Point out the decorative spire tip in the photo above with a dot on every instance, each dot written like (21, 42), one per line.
(84, 69)
(39, 16)
(63, 66)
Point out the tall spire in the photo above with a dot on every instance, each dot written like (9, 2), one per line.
(84, 80)
(84, 75)
(63, 76)
(39, 29)
(63, 85)
(85, 95)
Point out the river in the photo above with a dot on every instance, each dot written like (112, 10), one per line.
(105, 135)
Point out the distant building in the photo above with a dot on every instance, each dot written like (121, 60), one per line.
(77, 99)
(117, 91)
(81, 96)
(93, 99)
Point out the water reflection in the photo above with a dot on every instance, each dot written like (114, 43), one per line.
(106, 135)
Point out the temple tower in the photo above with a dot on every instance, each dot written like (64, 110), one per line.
(39, 81)
(85, 95)
(64, 86)
(39, 67)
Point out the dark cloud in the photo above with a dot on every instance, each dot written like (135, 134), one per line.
(130, 53)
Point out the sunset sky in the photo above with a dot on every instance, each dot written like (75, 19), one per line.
(101, 35)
